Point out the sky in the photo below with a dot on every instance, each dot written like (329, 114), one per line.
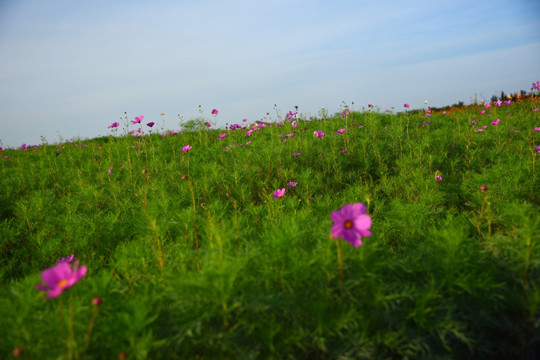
(68, 69)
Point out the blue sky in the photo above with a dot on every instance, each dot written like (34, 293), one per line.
(71, 68)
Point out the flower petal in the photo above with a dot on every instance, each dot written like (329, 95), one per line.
(56, 273)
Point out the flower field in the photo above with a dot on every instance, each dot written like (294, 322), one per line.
(363, 235)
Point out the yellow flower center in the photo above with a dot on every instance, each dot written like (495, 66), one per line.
(62, 283)
(348, 224)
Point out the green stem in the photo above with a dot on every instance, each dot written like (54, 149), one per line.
(89, 330)
(339, 246)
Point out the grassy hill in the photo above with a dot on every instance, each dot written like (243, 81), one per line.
(189, 255)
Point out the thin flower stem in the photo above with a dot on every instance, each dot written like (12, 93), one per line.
(339, 246)
(89, 330)
(71, 342)
(236, 225)
(62, 319)
(194, 222)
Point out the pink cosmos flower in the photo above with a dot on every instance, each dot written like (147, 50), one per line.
(480, 130)
(294, 124)
(296, 154)
(536, 85)
(61, 277)
(186, 148)
(537, 128)
(406, 105)
(351, 223)
(537, 148)
(66, 259)
(483, 187)
(345, 113)
(496, 122)
(438, 178)
(483, 112)
(291, 114)
(109, 170)
(150, 124)
(292, 184)
(138, 119)
(278, 193)
(113, 125)
(248, 133)
(341, 131)
(221, 136)
(499, 103)
(319, 134)
(215, 111)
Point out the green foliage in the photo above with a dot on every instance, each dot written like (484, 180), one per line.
(194, 258)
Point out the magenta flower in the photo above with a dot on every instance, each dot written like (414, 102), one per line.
(496, 122)
(345, 113)
(340, 131)
(406, 105)
(319, 134)
(292, 184)
(221, 136)
(150, 124)
(66, 259)
(536, 85)
(537, 148)
(480, 130)
(351, 223)
(186, 148)
(109, 171)
(483, 112)
(536, 128)
(294, 124)
(278, 193)
(214, 111)
(61, 277)
(296, 154)
(137, 120)
(113, 125)
(291, 114)
(499, 103)
(438, 178)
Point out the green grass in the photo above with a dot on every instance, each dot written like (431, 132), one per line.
(194, 258)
